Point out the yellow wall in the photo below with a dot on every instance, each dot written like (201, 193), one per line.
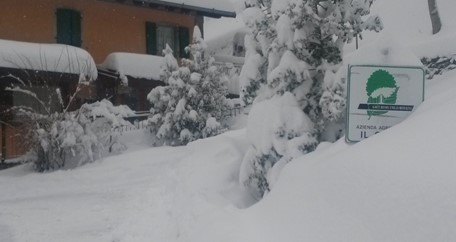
(106, 27)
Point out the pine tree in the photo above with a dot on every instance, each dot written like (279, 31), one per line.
(254, 72)
(301, 44)
(193, 104)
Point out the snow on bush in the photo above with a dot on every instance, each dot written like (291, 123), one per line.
(193, 104)
(294, 50)
(62, 139)
(72, 139)
(438, 65)
(277, 130)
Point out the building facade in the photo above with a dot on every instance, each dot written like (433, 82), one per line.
(104, 26)
(100, 27)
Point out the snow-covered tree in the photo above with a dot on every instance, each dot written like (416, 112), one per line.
(193, 104)
(257, 17)
(298, 48)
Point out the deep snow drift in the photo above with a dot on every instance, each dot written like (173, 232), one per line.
(153, 194)
(398, 185)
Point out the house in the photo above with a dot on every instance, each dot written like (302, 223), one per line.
(112, 32)
(102, 27)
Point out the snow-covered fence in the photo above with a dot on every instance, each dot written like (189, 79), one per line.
(235, 111)
(127, 128)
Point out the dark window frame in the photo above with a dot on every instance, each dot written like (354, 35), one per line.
(181, 39)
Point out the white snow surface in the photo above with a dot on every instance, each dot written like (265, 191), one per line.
(398, 185)
(280, 112)
(384, 50)
(221, 34)
(134, 65)
(154, 194)
(47, 57)
(409, 23)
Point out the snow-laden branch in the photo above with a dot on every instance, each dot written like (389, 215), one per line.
(30, 94)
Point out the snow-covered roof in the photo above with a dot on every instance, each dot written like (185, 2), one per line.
(134, 65)
(222, 34)
(47, 57)
(210, 8)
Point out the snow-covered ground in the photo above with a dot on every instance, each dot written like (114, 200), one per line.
(153, 194)
(398, 185)
(408, 22)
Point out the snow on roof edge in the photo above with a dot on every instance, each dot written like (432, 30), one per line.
(134, 65)
(227, 12)
(208, 8)
(47, 57)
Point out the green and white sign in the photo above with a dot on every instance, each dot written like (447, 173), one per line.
(380, 97)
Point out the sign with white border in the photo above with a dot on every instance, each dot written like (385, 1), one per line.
(380, 97)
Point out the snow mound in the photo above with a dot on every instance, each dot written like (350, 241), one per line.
(134, 65)
(281, 113)
(385, 50)
(392, 187)
(413, 28)
(47, 57)
(398, 185)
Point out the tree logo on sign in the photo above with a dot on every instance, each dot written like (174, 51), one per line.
(381, 89)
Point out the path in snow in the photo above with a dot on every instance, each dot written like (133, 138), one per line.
(91, 203)
(154, 194)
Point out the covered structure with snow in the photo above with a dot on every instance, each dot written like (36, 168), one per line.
(52, 72)
(52, 43)
(105, 26)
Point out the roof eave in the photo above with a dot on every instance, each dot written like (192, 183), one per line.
(208, 12)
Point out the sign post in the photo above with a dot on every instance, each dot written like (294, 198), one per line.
(380, 97)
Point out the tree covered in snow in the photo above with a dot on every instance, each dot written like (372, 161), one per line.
(61, 138)
(257, 17)
(294, 50)
(192, 105)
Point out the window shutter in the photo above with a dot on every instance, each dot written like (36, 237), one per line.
(63, 26)
(151, 38)
(76, 38)
(184, 41)
(69, 27)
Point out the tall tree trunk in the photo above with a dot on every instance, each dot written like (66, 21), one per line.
(435, 18)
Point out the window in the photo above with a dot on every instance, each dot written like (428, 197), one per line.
(69, 27)
(166, 35)
(157, 36)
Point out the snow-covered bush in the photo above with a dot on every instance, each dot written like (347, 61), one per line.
(192, 105)
(438, 65)
(71, 139)
(59, 138)
(294, 50)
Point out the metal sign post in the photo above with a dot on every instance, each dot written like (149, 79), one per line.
(380, 97)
